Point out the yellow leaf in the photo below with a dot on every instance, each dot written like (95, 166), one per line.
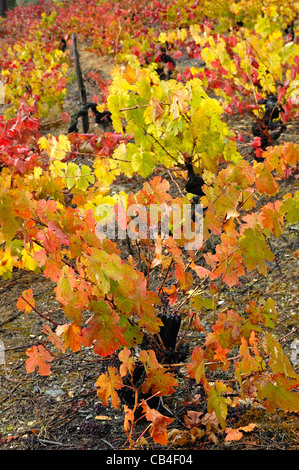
(60, 147)
(28, 261)
(37, 172)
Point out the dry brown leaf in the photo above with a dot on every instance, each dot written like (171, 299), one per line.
(178, 437)
(196, 433)
(212, 437)
(192, 418)
(210, 418)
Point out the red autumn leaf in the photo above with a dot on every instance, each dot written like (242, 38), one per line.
(38, 357)
(221, 354)
(102, 330)
(229, 110)
(65, 117)
(177, 54)
(256, 143)
(253, 62)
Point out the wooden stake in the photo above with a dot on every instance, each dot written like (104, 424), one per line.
(82, 90)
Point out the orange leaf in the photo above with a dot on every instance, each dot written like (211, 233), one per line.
(265, 182)
(248, 428)
(158, 429)
(26, 301)
(221, 354)
(159, 382)
(38, 357)
(53, 338)
(128, 363)
(196, 369)
(233, 435)
(102, 330)
(236, 435)
(107, 385)
(129, 416)
(71, 335)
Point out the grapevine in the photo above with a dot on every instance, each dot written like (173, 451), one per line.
(135, 299)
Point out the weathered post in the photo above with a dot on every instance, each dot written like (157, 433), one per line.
(82, 90)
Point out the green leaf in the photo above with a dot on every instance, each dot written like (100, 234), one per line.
(218, 403)
(255, 250)
(276, 393)
(72, 173)
(198, 302)
(278, 361)
(143, 163)
(85, 179)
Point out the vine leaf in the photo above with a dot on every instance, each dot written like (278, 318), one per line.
(103, 331)
(38, 357)
(26, 301)
(236, 434)
(255, 251)
(129, 417)
(66, 285)
(249, 362)
(265, 182)
(54, 338)
(158, 430)
(128, 363)
(271, 218)
(196, 369)
(159, 382)
(278, 361)
(218, 403)
(71, 335)
(276, 393)
(107, 385)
